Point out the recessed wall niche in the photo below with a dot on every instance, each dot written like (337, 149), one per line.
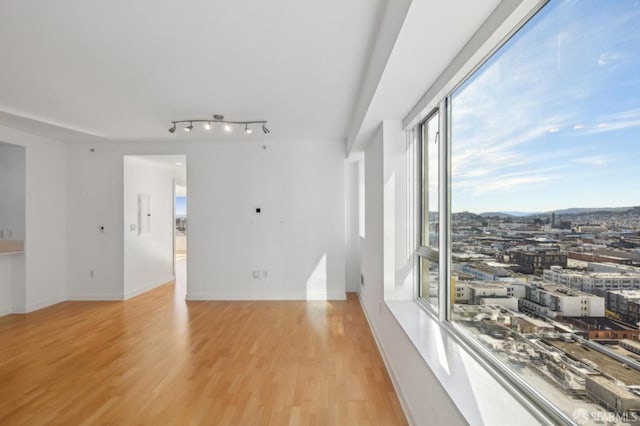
(12, 194)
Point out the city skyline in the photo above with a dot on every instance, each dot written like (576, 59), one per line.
(552, 120)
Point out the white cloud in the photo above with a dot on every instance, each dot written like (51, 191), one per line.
(512, 183)
(607, 58)
(506, 181)
(594, 160)
(619, 121)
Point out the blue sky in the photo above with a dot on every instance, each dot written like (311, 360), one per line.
(181, 206)
(552, 120)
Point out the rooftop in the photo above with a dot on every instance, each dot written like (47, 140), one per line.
(604, 363)
(591, 274)
(601, 323)
(632, 343)
(619, 391)
(562, 291)
(629, 294)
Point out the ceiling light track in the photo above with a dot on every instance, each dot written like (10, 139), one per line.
(207, 124)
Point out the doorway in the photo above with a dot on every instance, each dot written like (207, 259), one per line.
(180, 239)
(152, 256)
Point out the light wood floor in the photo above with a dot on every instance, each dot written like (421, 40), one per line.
(156, 359)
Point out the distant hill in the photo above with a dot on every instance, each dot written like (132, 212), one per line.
(570, 211)
(466, 215)
(508, 214)
(584, 210)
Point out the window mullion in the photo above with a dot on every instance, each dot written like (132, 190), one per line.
(444, 211)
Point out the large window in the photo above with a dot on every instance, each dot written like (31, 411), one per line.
(542, 161)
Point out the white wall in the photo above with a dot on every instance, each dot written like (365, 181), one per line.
(12, 284)
(372, 289)
(39, 276)
(12, 221)
(398, 258)
(148, 257)
(12, 192)
(6, 290)
(352, 244)
(96, 199)
(298, 238)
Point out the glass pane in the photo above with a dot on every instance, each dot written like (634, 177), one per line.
(545, 168)
(430, 226)
(430, 221)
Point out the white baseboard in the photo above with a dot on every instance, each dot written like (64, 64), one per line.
(38, 305)
(394, 379)
(149, 286)
(95, 297)
(267, 296)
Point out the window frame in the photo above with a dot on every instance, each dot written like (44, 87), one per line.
(531, 399)
(424, 251)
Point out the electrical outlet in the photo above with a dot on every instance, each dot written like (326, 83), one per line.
(91, 274)
(256, 274)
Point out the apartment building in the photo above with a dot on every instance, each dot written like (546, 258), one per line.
(625, 303)
(529, 262)
(593, 282)
(482, 271)
(559, 301)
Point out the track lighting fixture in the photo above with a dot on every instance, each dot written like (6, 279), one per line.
(218, 118)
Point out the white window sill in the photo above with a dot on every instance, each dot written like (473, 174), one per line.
(479, 397)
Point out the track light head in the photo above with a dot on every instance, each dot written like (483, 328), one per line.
(219, 120)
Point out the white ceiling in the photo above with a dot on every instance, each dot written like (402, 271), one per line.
(315, 69)
(124, 69)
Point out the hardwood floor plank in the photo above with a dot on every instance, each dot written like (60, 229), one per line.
(156, 359)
